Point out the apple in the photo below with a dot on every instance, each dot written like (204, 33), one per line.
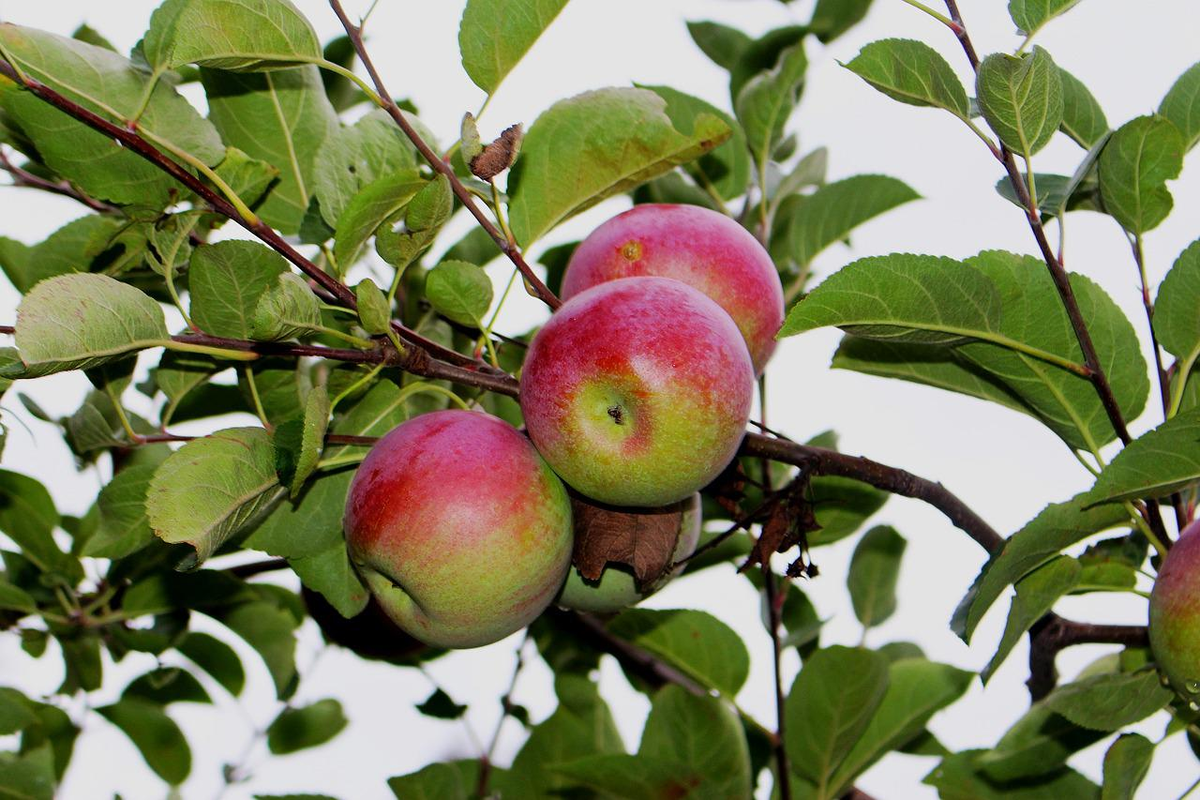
(698, 246)
(459, 528)
(637, 391)
(617, 589)
(1175, 614)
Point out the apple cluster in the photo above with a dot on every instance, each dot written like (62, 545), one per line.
(635, 395)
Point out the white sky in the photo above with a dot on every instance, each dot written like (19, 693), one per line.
(1002, 464)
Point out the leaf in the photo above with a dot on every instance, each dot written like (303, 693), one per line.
(237, 35)
(695, 642)
(727, 167)
(643, 540)
(423, 217)
(27, 776)
(13, 598)
(1157, 463)
(352, 158)
(216, 658)
(285, 310)
(1038, 744)
(441, 706)
(1142, 155)
(832, 18)
(841, 506)
(212, 487)
(1182, 105)
(594, 145)
(270, 630)
(495, 34)
(331, 574)
(282, 118)
(1057, 526)
(1031, 15)
(227, 280)
(957, 777)
(306, 726)
(1125, 766)
(368, 209)
(81, 321)
(829, 706)
(765, 102)
(373, 309)
(874, 570)
(178, 374)
(298, 443)
(1036, 594)
(166, 685)
(123, 526)
(154, 734)
(71, 248)
(721, 43)
(1175, 320)
(459, 291)
(1021, 97)
(433, 782)
(911, 72)
(250, 179)
(916, 690)
(1110, 701)
(309, 524)
(835, 209)
(1083, 119)
(28, 517)
(107, 84)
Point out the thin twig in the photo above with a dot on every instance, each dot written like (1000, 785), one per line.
(775, 602)
(506, 707)
(1053, 633)
(25, 178)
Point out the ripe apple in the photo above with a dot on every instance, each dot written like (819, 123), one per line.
(1175, 614)
(459, 528)
(637, 391)
(617, 589)
(698, 246)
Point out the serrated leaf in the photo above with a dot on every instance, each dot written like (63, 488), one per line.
(1182, 105)
(1142, 155)
(211, 488)
(1031, 15)
(71, 248)
(911, 72)
(841, 506)
(155, 735)
(430, 208)
(237, 35)
(306, 726)
(460, 291)
(1083, 119)
(765, 102)
(216, 658)
(285, 310)
(726, 168)
(495, 34)
(1036, 594)
(123, 527)
(1125, 766)
(696, 642)
(1176, 322)
(594, 145)
(299, 443)
(250, 179)
(874, 570)
(166, 685)
(282, 118)
(1057, 526)
(1157, 463)
(81, 321)
(270, 630)
(1110, 701)
(307, 525)
(351, 159)
(227, 281)
(1021, 97)
(282, 385)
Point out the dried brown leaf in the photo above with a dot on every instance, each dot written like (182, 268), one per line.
(643, 539)
(499, 155)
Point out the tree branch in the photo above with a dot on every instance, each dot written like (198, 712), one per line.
(775, 602)
(1052, 634)
(25, 178)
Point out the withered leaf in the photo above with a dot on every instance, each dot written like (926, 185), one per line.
(790, 519)
(643, 539)
(499, 155)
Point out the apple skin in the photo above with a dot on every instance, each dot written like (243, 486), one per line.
(637, 391)
(459, 528)
(701, 247)
(1175, 614)
(616, 589)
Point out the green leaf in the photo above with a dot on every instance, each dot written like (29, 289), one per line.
(1038, 744)
(441, 706)
(309, 524)
(298, 443)
(696, 642)
(1110, 701)
(459, 291)
(911, 72)
(958, 778)
(15, 713)
(1182, 105)
(594, 145)
(71, 248)
(1031, 15)
(306, 726)
(269, 629)
(105, 83)
(56, 731)
(495, 34)
(1142, 155)
(285, 310)
(434, 782)
(367, 210)
(123, 527)
(282, 385)
(82, 321)
(227, 280)
(352, 158)
(249, 178)
(841, 506)
(832, 18)
(281, 118)
(212, 487)
(916, 690)
(721, 43)
(27, 776)
(28, 517)
(765, 102)
(166, 685)
(1125, 766)
(1057, 526)
(727, 168)
(874, 570)
(237, 35)
(154, 734)
(216, 658)
(1176, 322)
(1036, 594)
(829, 214)
(1021, 97)
(1157, 463)
(373, 309)
(829, 706)
(178, 374)
(331, 574)
(1083, 119)
(430, 208)
(14, 598)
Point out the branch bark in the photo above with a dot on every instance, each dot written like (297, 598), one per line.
(1052, 634)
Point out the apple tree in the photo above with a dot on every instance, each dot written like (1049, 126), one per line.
(276, 251)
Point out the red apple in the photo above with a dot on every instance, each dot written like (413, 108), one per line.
(637, 391)
(698, 246)
(1175, 614)
(459, 528)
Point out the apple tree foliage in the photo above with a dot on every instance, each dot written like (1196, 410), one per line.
(328, 321)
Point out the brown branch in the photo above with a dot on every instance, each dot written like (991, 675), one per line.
(25, 178)
(244, 571)
(1052, 634)
(540, 290)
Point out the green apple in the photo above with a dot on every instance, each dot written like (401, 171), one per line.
(1175, 614)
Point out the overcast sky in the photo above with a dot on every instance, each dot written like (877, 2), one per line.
(1001, 463)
